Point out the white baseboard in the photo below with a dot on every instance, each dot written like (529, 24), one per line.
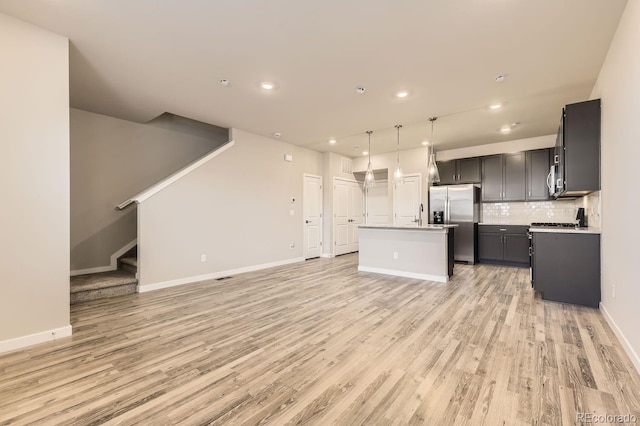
(327, 255)
(113, 264)
(635, 359)
(34, 339)
(426, 277)
(215, 275)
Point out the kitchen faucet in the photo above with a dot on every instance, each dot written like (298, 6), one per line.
(419, 219)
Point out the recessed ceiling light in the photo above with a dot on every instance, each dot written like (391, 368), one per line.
(266, 85)
(505, 129)
(277, 134)
(224, 82)
(495, 106)
(332, 141)
(425, 143)
(402, 94)
(500, 78)
(360, 90)
(365, 152)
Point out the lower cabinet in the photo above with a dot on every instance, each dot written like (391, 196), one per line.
(503, 244)
(566, 267)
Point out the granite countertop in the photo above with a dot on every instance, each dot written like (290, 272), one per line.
(566, 230)
(429, 227)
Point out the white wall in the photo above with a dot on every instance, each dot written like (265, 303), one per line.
(34, 211)
(114, 159)
(516, 145)
(618, 86)
(235, 209)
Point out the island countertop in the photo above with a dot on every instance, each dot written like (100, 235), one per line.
(428, 227)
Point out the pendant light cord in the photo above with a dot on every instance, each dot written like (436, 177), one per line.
(398, 126)
(369, 133)
(432, 119)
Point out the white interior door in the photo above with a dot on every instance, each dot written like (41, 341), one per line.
(356, 214)
(341, 221)
(312, 212)
(406, 200)
(377, 204)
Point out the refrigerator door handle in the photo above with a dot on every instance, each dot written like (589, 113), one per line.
(447, 209)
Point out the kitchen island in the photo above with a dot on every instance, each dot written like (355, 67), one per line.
(423, 252)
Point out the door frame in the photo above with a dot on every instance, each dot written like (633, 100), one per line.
(419, 176)
(333, 210)
(304, 233)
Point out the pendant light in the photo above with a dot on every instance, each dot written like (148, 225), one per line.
(369, 178)
(397, 174)
(432, 168)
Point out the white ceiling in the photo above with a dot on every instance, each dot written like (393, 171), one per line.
(136, 59)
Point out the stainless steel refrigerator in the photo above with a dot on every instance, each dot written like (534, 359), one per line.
(460, 205)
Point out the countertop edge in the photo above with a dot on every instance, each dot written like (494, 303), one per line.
(409, 228)
(567, 230)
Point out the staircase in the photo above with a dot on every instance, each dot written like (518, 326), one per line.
(107, 284)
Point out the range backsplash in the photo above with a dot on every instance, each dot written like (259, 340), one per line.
(523, 213)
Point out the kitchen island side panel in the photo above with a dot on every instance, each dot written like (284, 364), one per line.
(420, 254)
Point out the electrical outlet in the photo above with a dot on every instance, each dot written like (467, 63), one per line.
(395, 255)
(613, 291)
(203, 258)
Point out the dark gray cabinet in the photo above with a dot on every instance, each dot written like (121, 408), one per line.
(514, 177)
(578, 150)
(447, 171)
(538, 163)
(492, 178)
(503, 244)
(465, 170)
(469, 170)
(566, 267)
(503, 177)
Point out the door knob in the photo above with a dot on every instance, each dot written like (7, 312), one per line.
(307, 221)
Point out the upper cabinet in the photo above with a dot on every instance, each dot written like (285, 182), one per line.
(465, 170)
(538, 163)
(577, 156)
(503, 177)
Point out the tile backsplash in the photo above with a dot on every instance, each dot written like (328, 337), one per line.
(591, 204)
(523, 213)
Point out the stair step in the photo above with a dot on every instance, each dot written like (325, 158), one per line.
(102, 285)
(129, 264)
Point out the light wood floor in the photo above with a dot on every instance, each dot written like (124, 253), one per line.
(320, 343)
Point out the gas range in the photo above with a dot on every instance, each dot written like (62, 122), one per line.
(553, 225)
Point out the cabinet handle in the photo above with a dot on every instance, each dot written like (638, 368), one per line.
(530, 251)
(503, 229)
(556, 159)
